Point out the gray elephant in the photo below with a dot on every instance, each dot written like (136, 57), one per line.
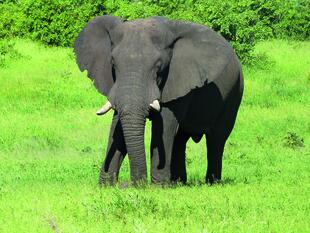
(184, 77)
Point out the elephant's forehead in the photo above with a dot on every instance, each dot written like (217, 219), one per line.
(142, 25)
(146, 30)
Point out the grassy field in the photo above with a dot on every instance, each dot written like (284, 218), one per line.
(52, 146)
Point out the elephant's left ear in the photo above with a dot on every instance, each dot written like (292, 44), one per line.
(93, 51)
(200, 55)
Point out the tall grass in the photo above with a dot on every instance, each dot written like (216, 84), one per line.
(52, 145)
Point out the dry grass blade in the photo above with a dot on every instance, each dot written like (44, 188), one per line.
(53, 224)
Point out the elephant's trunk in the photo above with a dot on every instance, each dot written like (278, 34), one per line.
(133, 127)
(133, 103)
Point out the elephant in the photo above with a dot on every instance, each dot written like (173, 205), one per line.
(183, 76)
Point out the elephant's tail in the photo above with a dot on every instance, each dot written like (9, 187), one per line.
(241, 83)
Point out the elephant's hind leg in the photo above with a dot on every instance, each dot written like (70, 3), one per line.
(178, 165)
(115, 154)
(216, 139)
(215, 148)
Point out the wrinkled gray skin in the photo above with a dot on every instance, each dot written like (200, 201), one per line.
(189, 68)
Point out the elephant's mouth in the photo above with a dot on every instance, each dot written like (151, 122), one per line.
(108, 106)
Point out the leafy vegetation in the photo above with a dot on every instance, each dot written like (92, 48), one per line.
(7, 51)
(294, 141)
(242, 22)
(52, 146)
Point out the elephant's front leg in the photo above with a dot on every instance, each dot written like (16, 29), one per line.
(115, 154)
(164, 128)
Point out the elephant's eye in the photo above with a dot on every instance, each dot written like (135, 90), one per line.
(113, 63)
(113, 55)
(158, 64)
(112, 60)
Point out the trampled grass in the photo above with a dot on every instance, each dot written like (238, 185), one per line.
(52, 146)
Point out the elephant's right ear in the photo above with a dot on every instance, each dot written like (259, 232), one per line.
(93, 51)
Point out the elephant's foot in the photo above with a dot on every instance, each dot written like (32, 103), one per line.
(179, 175)
(160, 179)
(107, 178)
(140, 183)
(179, 179)
(212, 179)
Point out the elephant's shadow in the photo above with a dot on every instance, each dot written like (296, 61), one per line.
(174, 185)
(223, 182)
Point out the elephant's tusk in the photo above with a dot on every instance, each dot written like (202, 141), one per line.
(155, 105)
(105, 108)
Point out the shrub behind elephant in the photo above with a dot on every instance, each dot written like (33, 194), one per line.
(183, 76)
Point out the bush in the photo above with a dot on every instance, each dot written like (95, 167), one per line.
(11, 20)
(57, 22)
(294, 21)
(294, 141)
(7, 50)
(285, 18)
(242, 22)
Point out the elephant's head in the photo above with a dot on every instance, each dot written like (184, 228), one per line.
(139, 64)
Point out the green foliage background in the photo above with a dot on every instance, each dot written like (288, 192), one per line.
(242, 22)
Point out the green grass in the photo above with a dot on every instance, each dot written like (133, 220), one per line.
(52, 146)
